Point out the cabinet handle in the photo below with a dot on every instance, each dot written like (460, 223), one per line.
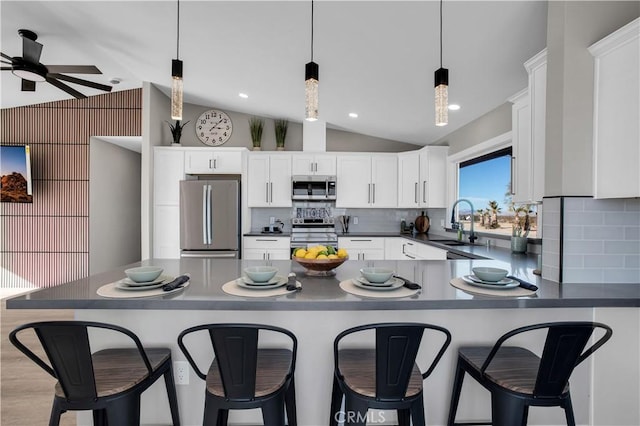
(271, 191)
(512, 175)
(424, 191)
(266, 192)
(403, 249)
(369, 195)
(266, 239)
(415, 193)
(374, 193)
(410, 257)
(315, 167)
(361, 240)
(268, 256)
(263, 256)
(210, 164)
(215, 163)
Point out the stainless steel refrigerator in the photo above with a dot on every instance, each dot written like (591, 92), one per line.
(210, 218)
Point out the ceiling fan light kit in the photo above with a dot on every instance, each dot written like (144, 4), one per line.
(441, 84)
(311, 83)
(177, 88)
(29, 69)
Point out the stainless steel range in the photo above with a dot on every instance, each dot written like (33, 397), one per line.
(313, 224)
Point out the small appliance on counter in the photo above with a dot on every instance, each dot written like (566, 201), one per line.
(273, 228)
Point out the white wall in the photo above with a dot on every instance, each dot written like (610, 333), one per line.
(114, 206)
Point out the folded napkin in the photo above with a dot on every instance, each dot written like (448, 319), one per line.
(524, 284)
(178, 282)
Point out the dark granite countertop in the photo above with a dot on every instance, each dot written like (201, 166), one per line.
(324, 293)
(267, 234)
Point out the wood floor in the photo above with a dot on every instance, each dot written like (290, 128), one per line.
(26, 391)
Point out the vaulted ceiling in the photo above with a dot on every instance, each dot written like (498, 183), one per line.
(376, 58)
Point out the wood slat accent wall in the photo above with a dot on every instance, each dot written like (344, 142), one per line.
(47, 242)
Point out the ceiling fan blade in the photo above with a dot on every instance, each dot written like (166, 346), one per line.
(31, 50)
(28, 85)
(6, 56)
(74, 69)
(80, 81)
(70, 90)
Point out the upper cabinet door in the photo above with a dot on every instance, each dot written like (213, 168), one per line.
(302, 164)
(384, 180)
(325, 165)
(168, 172)
(616, 133)
(353, 181)
(258, 181)
(432, 187)
(269, 180)
(280, 180)
(408, 177)
(521, 146)
(207, 161)
(314, 164)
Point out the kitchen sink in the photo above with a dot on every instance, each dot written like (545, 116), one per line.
(450, 242)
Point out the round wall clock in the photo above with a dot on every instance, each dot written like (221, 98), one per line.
(213, 127)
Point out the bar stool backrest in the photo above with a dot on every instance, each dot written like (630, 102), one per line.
(396, 350)
(66, 344)
(237, 352)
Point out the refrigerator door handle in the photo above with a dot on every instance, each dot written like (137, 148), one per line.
(204, 214)
(209, 255)
(209, 216)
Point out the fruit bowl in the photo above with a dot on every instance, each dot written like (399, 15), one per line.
(321, 267)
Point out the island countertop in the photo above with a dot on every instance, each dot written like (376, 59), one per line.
(323, 293)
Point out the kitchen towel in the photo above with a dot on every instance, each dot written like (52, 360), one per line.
(234, 289)
(512, 292)
(113, 292)
(349, 287)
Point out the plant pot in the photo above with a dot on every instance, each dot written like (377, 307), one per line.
(519, 244)
(176, 144)
(280, 148)
(256, 148)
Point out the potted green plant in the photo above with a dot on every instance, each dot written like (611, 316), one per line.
(256, 125)
(281, 133)
(520, 229)
(176, 131)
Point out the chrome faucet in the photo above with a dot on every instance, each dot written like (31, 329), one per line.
(456, 225)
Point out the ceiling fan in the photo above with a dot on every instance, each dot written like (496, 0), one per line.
(30, 70)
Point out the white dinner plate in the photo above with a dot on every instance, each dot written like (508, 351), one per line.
(161, 279)
(274, 283)
(503, 284)
(364, 281)
(394, 284)
(123, 286)
(276, 279)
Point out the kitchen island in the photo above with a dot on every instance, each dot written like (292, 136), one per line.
(603, 389)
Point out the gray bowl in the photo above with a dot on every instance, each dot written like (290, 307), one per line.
(260, 274)
(377, 275)
(486, 273)
(143, 274)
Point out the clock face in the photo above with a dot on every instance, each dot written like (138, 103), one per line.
(213, 127)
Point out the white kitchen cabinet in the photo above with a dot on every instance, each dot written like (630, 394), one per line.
(537, 69)
(521, 166)
(363, 248)
(213, 161)
(266, 248)
(367, 180)
(393, 248)
(168, 171)
(616, 134)
(310, 164)
(269, 180)
(429, 252)
(422, 178)
(398, 248)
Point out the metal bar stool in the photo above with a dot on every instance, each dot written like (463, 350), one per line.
(243, 376)
(108, 382)
(385, 377)
(517, 378)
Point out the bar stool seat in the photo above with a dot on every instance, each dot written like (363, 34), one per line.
(518, 378)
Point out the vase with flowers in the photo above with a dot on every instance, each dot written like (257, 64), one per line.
(520, 228)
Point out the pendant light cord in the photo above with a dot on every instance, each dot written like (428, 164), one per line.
(440, 33)
(311, 30)
(178, 33)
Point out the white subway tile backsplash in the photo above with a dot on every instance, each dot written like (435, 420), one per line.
(573, 204)
(621, 275)
(551, 205)
(622, 247)
(603, 233)
(584, 218)
(550, 273)
(616, 205)
(573, 261)
(582, 275)
(603, 261)
(632, 233)
(622, 218)
(583, 247)
(551, 219)
(573, 232)
(632, 205)
(631, 261)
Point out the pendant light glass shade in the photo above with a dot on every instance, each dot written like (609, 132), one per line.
(311, 91)
(176, 89)
(441, 77)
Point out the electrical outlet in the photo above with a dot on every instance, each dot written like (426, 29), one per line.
(181, 372)
(272, 220)
(355, 220)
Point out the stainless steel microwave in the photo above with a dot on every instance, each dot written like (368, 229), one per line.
(313, 188)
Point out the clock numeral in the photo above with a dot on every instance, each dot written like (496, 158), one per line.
(224, 134)
(227, 127)
(220, 139)
(203, 121)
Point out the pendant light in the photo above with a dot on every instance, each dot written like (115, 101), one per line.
(311, 83)
(441, 77)
(176, 76)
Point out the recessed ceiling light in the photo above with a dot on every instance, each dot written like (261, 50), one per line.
(353, 115)
(243, 95)
(454, 107)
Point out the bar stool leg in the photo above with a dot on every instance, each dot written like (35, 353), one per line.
(355, 411)
(171, 393)
(223, 417)
(290, 402)
(417, 412)
(404, 417)
(336, 403)
(212, 412)
(124, 411)
(455, 393)
(56, 412)
(273, 411)
(507, 410)
(568, 411)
